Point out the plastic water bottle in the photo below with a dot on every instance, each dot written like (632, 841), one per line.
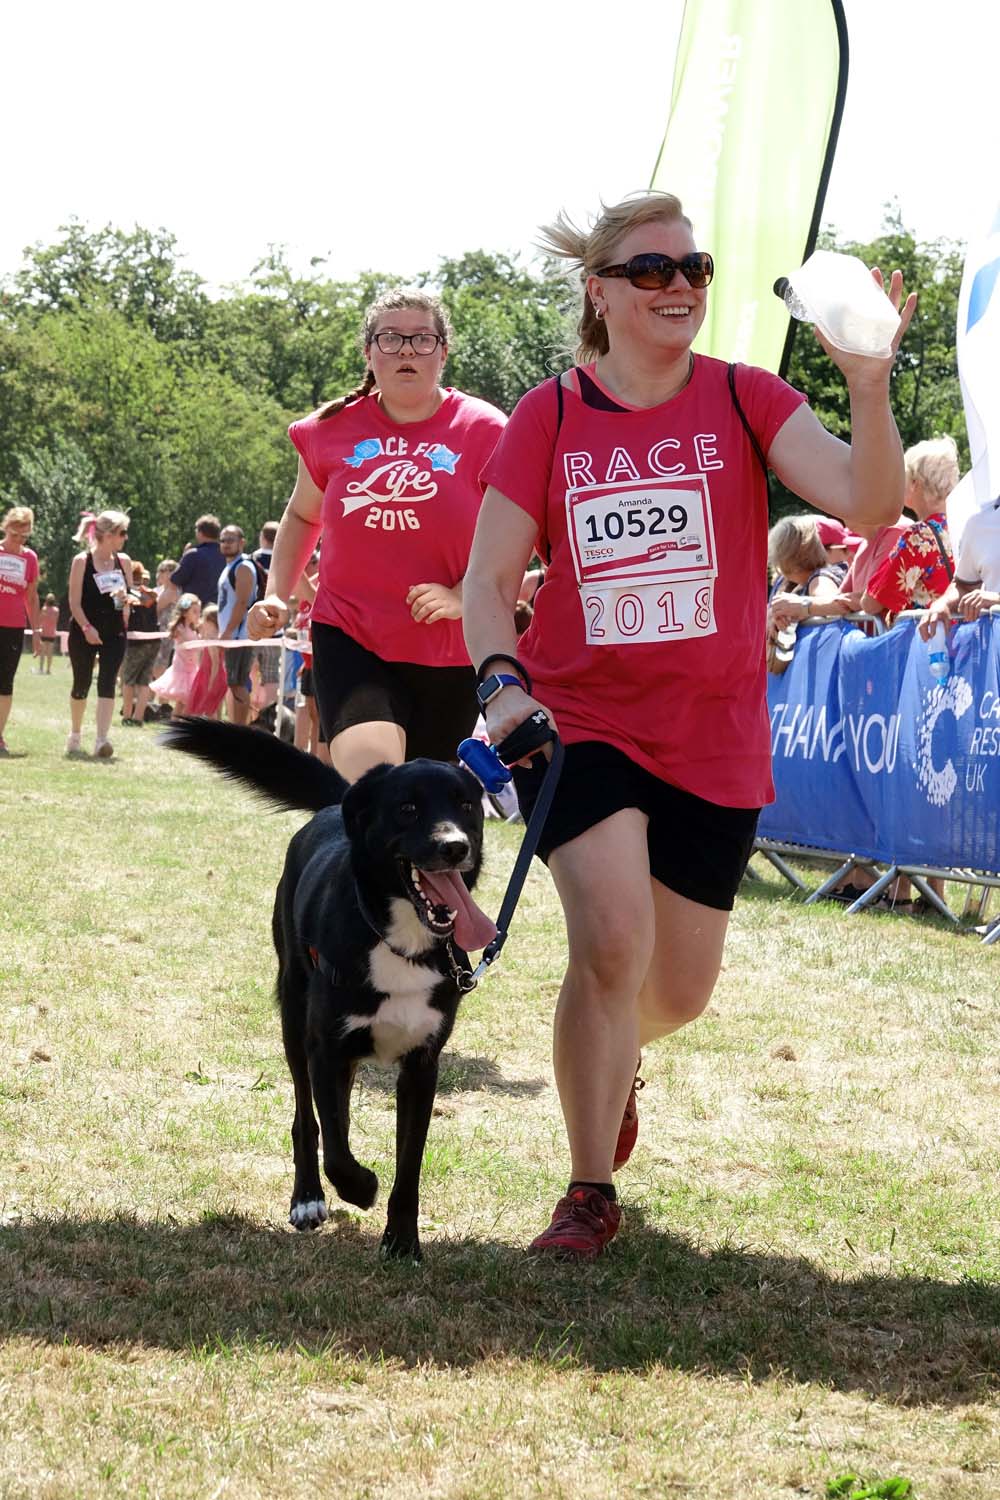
(938, 663)
(837, 293)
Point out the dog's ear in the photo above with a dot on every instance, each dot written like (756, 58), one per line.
(360, 800)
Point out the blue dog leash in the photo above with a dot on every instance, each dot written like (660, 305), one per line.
(485, 762)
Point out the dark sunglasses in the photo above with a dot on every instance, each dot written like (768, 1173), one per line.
(652, 272)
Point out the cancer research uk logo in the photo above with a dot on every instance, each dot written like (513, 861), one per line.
(953, 696)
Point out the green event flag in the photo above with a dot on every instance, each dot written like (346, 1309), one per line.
(758, 91)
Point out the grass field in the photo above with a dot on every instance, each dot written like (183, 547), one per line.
(807, 1284)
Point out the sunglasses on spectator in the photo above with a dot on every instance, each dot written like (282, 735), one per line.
(421, 343)
(652, 272)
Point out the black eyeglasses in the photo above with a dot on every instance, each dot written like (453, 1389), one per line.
(421, 343)
(652, 272)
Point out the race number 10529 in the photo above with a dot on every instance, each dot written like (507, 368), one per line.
(647, 612)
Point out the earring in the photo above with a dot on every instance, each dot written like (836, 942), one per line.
(599, 311)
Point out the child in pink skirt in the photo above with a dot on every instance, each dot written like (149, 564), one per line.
(174, 685)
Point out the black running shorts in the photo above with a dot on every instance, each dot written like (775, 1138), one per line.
(696, 848)
(435, 706)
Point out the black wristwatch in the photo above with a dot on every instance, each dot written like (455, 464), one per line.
(495, 683)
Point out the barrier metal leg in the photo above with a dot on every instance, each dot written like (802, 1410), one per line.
(783, 868)
(977, 899)
(932, 898)
(831, 881)
(873, 893)
(993, 934)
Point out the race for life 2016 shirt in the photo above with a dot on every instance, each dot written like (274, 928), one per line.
(18, 571)
(648, 632)
(400, 503)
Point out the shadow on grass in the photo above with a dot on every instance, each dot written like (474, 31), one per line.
(227, 1284)
(458, 1074)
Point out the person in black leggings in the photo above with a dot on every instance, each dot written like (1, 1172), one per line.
(98, 590)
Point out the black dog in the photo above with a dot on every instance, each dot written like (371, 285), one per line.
(374, 890)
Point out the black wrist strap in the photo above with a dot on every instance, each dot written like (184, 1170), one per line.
(529, 844)
(511, 661)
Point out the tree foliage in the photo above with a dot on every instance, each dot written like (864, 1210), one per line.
(124, 383)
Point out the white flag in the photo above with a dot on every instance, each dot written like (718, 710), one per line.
(979, 360)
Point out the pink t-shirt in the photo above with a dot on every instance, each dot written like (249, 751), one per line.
(648, 631)
(399, 507)
(871, 555)
(18, 571)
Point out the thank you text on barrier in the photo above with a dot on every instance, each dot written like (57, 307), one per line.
(873, 757)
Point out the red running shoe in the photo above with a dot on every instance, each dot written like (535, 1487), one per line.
(628, 1131)
(583, 1223)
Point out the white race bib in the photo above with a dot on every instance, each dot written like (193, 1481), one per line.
(645, 559)
(13, 569)
(111, 582)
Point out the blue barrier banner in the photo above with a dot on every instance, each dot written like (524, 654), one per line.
(873, 757)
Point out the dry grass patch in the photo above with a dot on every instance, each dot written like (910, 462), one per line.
(808, 1279)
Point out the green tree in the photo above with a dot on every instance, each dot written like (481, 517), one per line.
(295, 338)
(58, 482)
(134, 273)
(512, 328)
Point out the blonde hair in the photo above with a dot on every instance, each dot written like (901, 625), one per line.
(794, 542)
(168, 562)
(19, 513)
(92, 527)
(180, 614)
(596, 247)
(396, 299)
(933, 465)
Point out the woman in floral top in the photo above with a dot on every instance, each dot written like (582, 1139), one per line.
(920, 566)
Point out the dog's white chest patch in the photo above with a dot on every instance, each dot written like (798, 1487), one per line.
(400, 1024)
(405, 1019)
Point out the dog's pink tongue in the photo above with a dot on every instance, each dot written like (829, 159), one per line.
(473, 928)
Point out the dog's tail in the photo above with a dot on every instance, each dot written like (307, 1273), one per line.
(265, 764)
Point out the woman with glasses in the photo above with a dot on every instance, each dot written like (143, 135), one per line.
(389, 474)
(18, 602)
(635, 475)
(99, 579)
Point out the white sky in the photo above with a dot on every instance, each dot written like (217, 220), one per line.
(384, 135)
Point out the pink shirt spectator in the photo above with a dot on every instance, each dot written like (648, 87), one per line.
(18, 571)
(870, 556)
(50, 621)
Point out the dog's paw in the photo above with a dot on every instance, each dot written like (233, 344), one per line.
(308, 1214)
(355, 1185)
(400, 1246)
